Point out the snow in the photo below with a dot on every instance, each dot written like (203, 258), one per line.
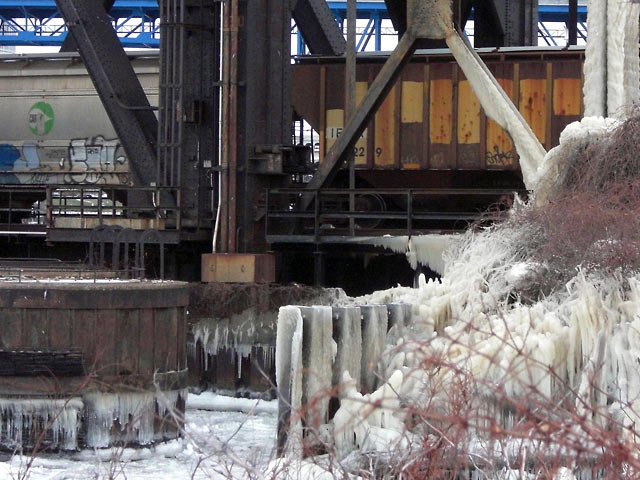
(217, 445)
(221, 403)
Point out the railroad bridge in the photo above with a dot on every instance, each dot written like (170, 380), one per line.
(204, 157)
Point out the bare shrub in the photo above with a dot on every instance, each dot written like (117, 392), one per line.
(591, 217)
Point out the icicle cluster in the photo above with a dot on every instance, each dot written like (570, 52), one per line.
(20, 417)
(112, 417)
(239, 334)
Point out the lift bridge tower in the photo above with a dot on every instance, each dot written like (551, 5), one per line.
(202, 160)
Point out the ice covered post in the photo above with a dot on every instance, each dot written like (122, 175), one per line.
(612, 65)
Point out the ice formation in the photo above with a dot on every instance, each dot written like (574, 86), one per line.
(612, 67)
(476, 350)
(20, 417)
(476, 331)
(374, 335)
(241, 333)
(127, 416)
(426, 250)
(289, 376)
(245, 334)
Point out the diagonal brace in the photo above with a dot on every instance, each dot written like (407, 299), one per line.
(357, 124)
(117, 85)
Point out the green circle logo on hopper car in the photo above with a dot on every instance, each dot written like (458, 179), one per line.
(41, 118)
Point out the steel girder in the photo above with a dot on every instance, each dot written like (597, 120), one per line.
(69, 45)
(118, 87)
(370, 103)
(497, 22)
(318, 27)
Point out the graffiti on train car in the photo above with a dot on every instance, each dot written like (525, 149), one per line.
(92, 160)
(499, 158)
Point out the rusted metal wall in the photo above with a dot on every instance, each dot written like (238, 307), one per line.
(432, 119)
(125, 331)
(112, 351)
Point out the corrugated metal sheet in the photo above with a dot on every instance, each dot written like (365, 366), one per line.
(432, 119)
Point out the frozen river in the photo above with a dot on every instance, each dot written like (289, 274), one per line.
(230, 439)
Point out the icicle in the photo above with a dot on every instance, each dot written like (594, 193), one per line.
(60, 416)
(128, 417)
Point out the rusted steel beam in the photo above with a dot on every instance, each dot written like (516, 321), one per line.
(398, 13)
(358, 122)
(350, 90)
(232, 241)
(117, 85)
(229, 160)
(318, 27)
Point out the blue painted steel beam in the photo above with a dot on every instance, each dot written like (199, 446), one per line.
(30, 22)
(40, 12)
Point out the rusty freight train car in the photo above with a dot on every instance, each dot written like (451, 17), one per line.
(431, 130)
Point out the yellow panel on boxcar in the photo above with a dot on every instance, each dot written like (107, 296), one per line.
(412, 95)
(533, 102)
(468, 114)
(385, 131)
(335, 125)
(499, 145)
(440, 111)
(567, 96)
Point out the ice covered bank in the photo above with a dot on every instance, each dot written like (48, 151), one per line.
(90, 363)
(524, 356)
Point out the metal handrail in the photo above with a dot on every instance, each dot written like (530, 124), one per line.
(331, 205)
(81, 200)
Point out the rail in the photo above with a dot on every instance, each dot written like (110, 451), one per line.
(377, 212)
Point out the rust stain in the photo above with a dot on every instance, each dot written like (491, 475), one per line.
(440, 111)
(533, 105)
(567, 96)
(468, 114)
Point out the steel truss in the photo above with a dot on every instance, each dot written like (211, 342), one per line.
(39, 23)
(137, 24)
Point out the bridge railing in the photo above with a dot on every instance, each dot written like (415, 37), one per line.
(348, 213)
(34, 208)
